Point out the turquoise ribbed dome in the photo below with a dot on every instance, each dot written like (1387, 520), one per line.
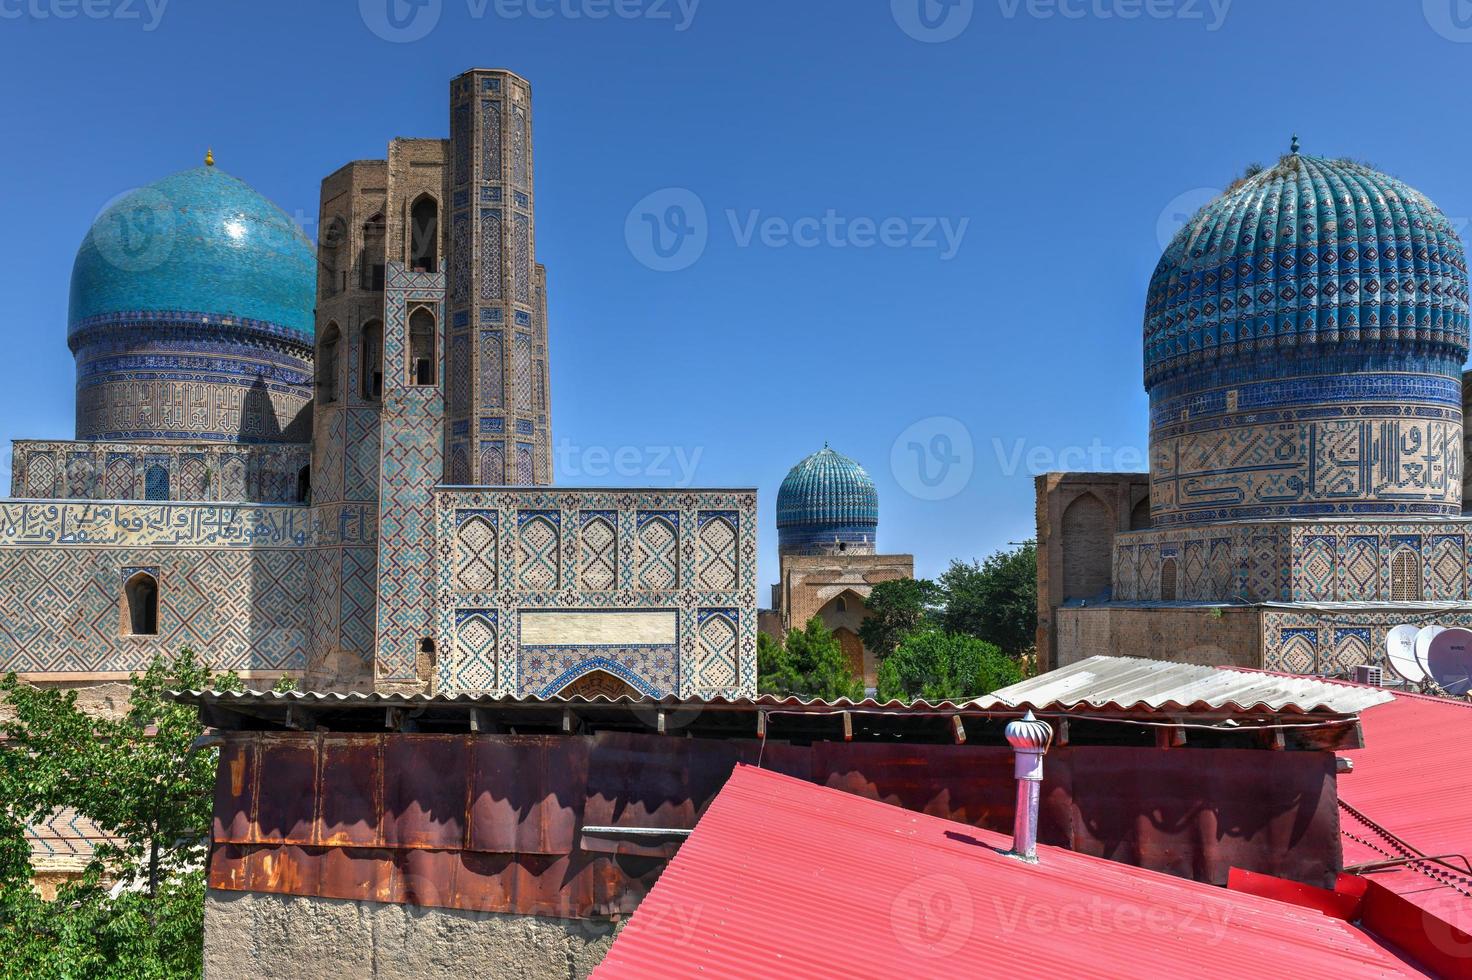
(198, 242)
(1317, 257)
(826, 498)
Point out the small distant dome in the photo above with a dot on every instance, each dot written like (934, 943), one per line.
(198, 242)
(827, 504)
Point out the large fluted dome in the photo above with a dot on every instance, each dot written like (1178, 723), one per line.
(1304, 340)
(192, 316)
(198, 242)
(827, 503)
(1311, 256)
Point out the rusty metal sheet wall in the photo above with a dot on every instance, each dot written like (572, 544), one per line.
(494, 823)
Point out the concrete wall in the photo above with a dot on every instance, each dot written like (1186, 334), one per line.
(1215, 636)
(249, 935)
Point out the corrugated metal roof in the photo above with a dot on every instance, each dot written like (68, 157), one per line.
(1131, 683)
(371, 698)
(785, 878)
(1412, 784)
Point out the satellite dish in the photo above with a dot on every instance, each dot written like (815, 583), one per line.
(1423, 644)
(1400, 651)
(1449, 660)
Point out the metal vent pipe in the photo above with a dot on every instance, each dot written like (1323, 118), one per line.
(1030, 740)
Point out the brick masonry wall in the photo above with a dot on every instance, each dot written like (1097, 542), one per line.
(1124, 498)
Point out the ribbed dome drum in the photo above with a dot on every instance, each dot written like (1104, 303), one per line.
(1304, 338)
(191, 316)
(827, 503)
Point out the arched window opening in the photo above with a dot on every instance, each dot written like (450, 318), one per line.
(327, 364)
(330, 244)
(841, 605)
(424, 230)
(426, 644)
(304, 485)
(421, 348)
(371, 368)
(1140, 517)
(156, 482)
(370, 259)
(1168, 580)
(140, 610)
(1405, 576)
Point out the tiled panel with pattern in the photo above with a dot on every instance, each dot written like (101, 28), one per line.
(502, 552)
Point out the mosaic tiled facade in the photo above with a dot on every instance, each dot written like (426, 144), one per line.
(1304, 339)
(341, 394)
(536, 589)
(1330, 640)
(160, 471)
(499, 412)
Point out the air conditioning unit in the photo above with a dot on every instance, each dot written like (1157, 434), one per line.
(1366, 674)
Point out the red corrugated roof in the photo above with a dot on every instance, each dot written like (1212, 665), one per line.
(785, 878)
(1412, 784)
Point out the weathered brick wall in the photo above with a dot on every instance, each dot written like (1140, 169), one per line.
(1125, 501)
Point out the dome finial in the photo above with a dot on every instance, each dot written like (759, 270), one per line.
(1294, 148)
(209, 157)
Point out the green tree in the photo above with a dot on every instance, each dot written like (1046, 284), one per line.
(810, 664)
(939, 666)
(896, 608)
(995, 600)
(138, 909)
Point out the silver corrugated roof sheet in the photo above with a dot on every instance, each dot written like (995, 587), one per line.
(1131, 683)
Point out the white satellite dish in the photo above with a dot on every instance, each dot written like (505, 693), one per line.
(1400, 651)
(1449, 660)
(1423, 645)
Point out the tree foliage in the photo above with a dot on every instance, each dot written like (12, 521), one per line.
(995, 600)
(938, 666)
(137, 911)
(896, 608)
(810, 664)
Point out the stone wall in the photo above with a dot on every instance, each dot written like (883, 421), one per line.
(1210, 635)
(250, 935)
(687, 557)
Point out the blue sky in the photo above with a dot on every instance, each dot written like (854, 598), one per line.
(908, 246)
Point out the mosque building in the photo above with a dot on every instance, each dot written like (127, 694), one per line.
(1304, 340)
(827, 528)
(335, 462)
